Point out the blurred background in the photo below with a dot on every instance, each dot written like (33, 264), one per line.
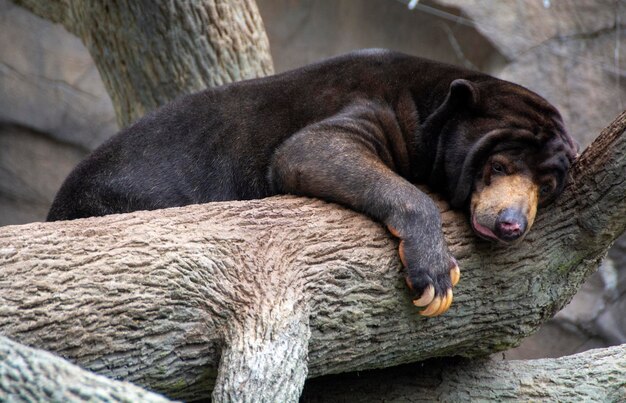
(54, 109)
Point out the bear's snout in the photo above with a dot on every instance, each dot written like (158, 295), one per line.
(511, 224)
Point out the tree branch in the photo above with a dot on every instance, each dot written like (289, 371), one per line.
(595, 375)
(149, 53)
(30, 374)
(598, 375)
(165, 298)
(27, 374)
(157, 298)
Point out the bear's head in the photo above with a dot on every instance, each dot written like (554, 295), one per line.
(505, 153)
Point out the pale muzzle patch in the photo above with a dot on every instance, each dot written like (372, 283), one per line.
(506, 208)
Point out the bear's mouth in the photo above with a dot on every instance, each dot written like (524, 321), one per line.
(483, 231)
(488, 234)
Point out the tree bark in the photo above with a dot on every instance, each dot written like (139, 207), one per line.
(149, 53)
(594, 375)
(28, 374)
(158, 298)
(257, 355)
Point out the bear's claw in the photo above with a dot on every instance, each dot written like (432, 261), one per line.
(439, 305)
(455, 273)
(437, 295)
(401, 253)
(427, 297)
(432, 308)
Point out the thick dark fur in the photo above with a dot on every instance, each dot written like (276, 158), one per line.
(357, 129)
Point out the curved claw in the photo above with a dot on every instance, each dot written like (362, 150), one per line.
(433, 307)
(436, 309)
(448, 298)
(427, 297)
(451, 299)
(393, 231)
(442, 306)
(401, 253)
(455, 274)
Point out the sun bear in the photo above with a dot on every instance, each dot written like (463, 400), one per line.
(359, 130)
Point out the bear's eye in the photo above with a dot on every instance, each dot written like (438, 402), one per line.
(498, 168)
(545, 189)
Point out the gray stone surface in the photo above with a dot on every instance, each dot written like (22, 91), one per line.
(577, 75)
(516, 27)
(304, 31)
(568, 52)
(48, 81)
(32, 168)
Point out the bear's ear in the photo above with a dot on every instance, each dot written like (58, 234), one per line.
(463, 92)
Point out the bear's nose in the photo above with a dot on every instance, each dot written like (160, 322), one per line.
(511, 224)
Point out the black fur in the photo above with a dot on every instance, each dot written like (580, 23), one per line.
(356, 129)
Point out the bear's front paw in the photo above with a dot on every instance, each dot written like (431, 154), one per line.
(433, 290)
(429, 275)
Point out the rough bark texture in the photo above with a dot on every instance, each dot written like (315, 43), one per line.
(149, 53)
(257, 355)
(30, 375)
(593, 376)
(158, 297)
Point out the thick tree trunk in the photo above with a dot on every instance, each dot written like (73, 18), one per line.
(150, 52)
(160, 297)
(27, 374)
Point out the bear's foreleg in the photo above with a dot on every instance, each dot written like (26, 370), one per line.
(340, 161)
